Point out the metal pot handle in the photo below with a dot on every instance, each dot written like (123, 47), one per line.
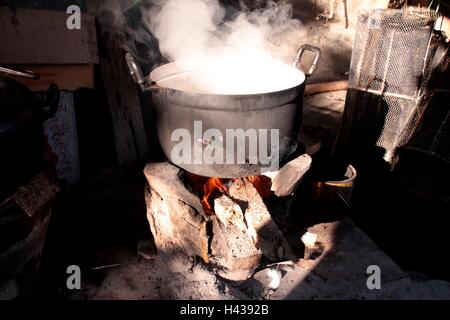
(135, 71)
(317, 54)
(138, 77)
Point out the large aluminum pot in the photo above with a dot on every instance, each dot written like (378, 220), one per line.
(176, 109)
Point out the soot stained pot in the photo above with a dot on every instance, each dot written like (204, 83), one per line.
(176, 108)
(22, 114)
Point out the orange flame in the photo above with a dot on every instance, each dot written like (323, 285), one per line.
(210, 186)
(213, 187)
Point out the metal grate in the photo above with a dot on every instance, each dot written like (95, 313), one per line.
(390, 59)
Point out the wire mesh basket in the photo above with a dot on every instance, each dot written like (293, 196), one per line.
(389, 68)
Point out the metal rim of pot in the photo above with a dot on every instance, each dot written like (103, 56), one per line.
(147, 84)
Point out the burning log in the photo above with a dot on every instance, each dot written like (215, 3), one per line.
(243, 228)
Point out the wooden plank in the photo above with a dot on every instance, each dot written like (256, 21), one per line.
(125, 107)
(315, 88)
(31, 36)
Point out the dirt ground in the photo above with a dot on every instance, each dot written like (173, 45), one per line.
(338, 273)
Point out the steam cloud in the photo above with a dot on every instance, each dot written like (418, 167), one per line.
(241, 51)
(195, 29)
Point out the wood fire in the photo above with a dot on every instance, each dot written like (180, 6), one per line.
(214, 187)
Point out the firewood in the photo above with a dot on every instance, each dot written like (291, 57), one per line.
(233, 240)
(242, 228)
(175, 214)
(290, 175)
(229, 213)
(269, 238)
(233, 246)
